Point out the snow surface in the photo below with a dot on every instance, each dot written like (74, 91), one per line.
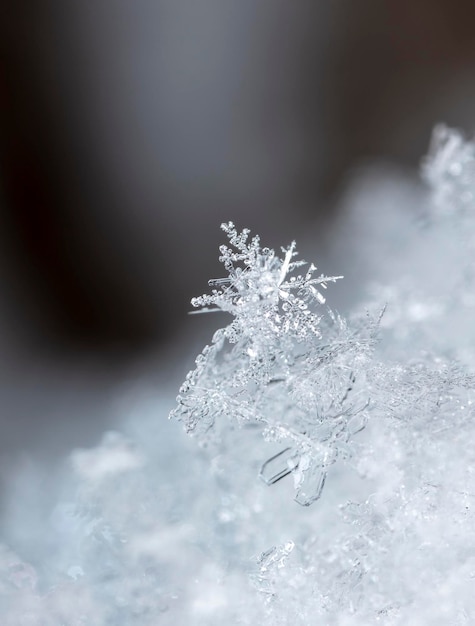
(153, 527)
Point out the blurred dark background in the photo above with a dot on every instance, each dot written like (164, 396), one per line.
(130, 130)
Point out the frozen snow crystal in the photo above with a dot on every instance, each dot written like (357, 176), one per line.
(286, 363)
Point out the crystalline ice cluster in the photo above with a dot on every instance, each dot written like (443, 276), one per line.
(159, 530)
(285, 364)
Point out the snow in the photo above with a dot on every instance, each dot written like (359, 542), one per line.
(375, 415)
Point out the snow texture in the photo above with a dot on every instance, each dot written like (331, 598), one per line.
(367, 421)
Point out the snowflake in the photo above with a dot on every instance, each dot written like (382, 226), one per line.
(286, 362)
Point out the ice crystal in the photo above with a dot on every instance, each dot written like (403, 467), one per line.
(266, 580)
(286, 362)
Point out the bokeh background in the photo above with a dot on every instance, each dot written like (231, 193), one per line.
(130, 130)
